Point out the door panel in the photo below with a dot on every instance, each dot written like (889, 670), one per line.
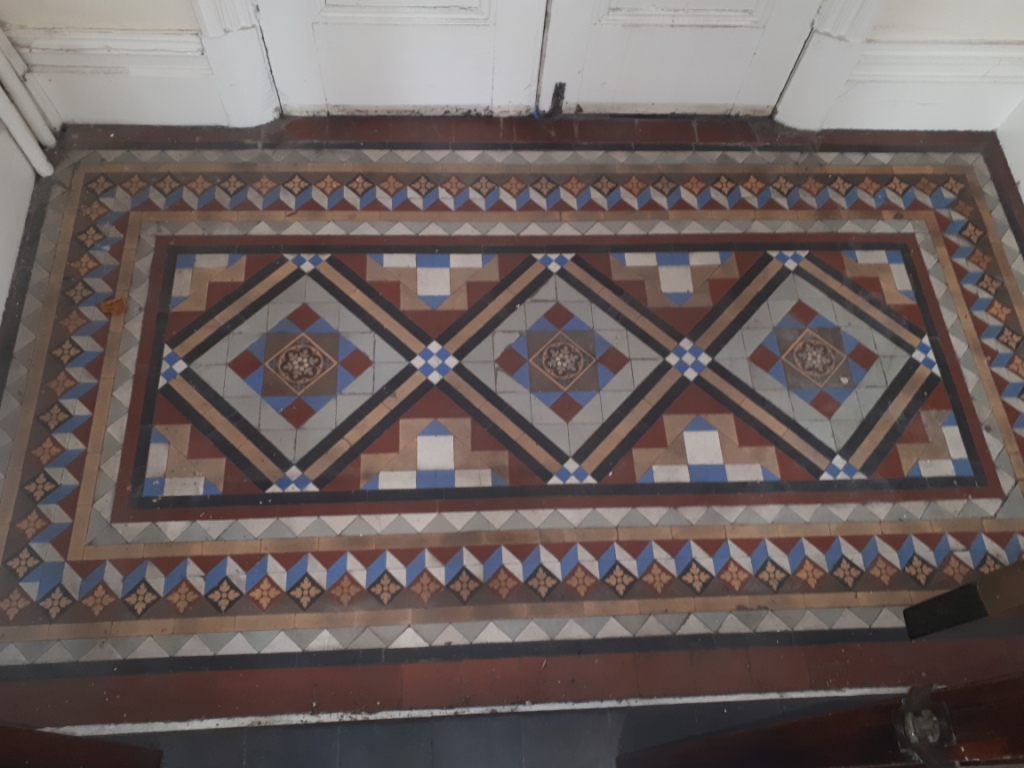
(404, 55)
(660, 56)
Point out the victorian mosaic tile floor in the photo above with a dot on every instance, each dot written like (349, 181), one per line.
(268, 401)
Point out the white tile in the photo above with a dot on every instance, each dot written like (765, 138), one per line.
(435, 452)
(433, 281)
(675, 279)
(703, 447)
(671, 474)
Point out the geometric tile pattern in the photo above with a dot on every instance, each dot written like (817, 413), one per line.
(814, 358)
(407, 353)
(300, 364)
(562, 361)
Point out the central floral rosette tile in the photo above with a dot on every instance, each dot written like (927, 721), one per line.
(301, 363)
(814, 357)
(563, 360)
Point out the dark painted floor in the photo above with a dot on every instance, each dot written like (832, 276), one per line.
(579, 739)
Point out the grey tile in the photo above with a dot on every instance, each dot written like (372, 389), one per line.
(309, 745)
(494, 741)
(405, 743)
(568, 740)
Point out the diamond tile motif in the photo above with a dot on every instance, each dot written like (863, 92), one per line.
(562, 361)
(814, 358)
(300, 365)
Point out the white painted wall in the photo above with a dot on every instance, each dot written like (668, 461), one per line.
(15, 195)
(912, 64)
(955, 21)
(100, 14)
(1011, 136)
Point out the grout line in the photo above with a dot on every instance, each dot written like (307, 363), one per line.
(326, 718)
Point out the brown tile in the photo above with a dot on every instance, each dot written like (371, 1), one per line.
(664, 673)
(357, 130)
(428, 685)
(544, 130)
(832, 666)
(606, 132)
(366, 688)
(887, 664)
(482, 130)
(664, 132)
(775, 668)
(596, 677)
(419, 131)
(302, 130)
(490, 681)
(723, 670)
(720, 131)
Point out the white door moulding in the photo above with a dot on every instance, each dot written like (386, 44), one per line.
(221, 17)
(125, 52)
(218, 75)
(478, 12)
(940, 62)
(621, 12)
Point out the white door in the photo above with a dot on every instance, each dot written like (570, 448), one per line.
(385, 56)
(662, 56)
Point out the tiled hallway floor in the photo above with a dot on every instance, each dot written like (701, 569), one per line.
(285, 400)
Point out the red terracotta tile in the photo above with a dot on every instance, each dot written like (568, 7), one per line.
(367, 688)
(578, 678)
(303, 129)
(664, 132)
(482, 130)
(428, 685)
(778, 668)
(725, 670)
(664, 673)
(357, 130)
(544, 130)
(416, 131)
(490, 681)
(604, 132)
(725, 131)
(832, 666)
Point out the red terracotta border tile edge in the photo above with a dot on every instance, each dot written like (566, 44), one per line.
(567, 678)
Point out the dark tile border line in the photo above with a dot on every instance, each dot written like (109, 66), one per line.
(314, 659)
